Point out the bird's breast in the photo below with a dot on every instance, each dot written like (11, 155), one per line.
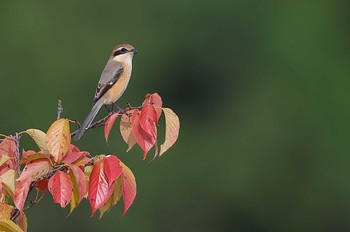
(117, 90)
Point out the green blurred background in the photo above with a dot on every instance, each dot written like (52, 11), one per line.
(261, 89)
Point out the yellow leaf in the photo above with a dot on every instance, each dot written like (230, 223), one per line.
(38, 136)
(9, 226)
(87, 172)
(5, 211)
(5, 214)
(8, 181)
(114, 198)
(75, 197)
(58, 139)
(172, 127)
(106, 207)
(126, 131)
(117, 194)
(3, 159)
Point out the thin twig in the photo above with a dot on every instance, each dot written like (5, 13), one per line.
(17, 137)
(59, 109)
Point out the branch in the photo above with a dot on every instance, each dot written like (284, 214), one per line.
(15, 212)
(103, 120)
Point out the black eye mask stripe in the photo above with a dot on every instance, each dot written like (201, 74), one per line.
(120, 51)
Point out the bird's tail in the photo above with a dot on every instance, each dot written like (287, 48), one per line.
(88, 120)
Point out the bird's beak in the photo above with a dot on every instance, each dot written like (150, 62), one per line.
(134, 51)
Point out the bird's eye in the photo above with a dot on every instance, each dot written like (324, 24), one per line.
(120, 51)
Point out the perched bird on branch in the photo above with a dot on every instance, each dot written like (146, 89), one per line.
(113, 82)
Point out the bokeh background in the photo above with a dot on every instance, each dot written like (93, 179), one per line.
(261, 89)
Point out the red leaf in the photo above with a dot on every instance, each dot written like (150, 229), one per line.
(73, 148)
(60, 186)
(99, 189)
(73, 156)
(8, 147)
(42, 184)
(109, 124)
(128, 187)
(80, 180)
(143, 139)
(156, 100)
(35, 169)
(112, 168)
(5, 167)
(21, 193)
(148, 118)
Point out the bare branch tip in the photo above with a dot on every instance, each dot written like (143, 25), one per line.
(59, 109)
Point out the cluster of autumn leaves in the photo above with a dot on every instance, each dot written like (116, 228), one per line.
(71, 175)
(140, 126)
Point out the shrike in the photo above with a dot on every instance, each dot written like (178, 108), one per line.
(113, 82)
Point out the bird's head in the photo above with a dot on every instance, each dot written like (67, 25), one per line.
(123, 52)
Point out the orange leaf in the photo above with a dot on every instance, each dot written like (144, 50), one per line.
(26, 154)
(128, 187)
(9, 226)
(5, 211)
(172, 127)
(143, 139)
(21, 193)
(112, 168)
(33, 156)
(35, 169)
(58, 139)
(5, 214)
(109, 124)
(60, 186)
(99, 189)
(126, 131)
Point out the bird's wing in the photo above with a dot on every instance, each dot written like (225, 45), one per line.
(109, 77)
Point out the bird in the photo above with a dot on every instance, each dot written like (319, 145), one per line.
(113, 82)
